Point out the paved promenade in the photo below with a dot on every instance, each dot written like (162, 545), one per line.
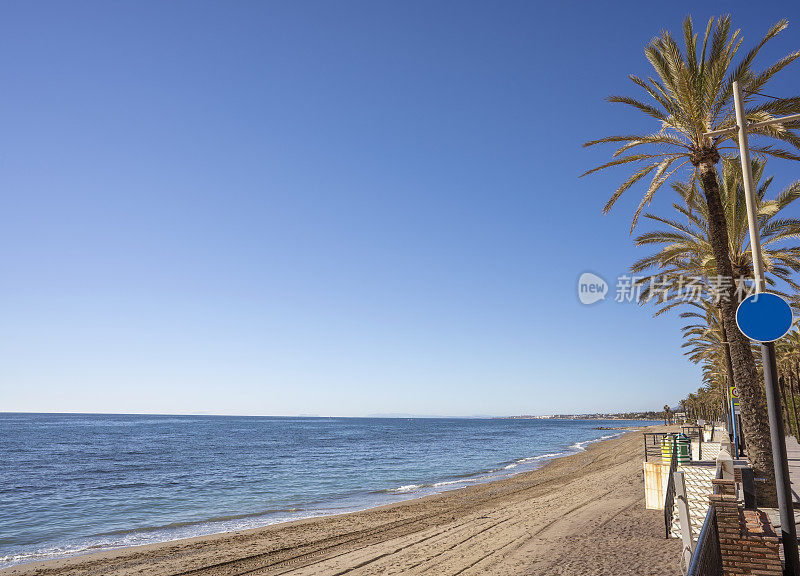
(793, 454)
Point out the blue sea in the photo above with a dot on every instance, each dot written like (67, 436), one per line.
(77, 483)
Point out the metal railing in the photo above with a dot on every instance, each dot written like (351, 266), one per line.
(693, 432)
(652, 444)
(707, 557)
(669, 496)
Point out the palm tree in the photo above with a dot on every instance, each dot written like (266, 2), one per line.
(788, 350)
(667, 412)
(692, 94)
(691, 401)
(685, 249)
(705, 343)
(704, 404)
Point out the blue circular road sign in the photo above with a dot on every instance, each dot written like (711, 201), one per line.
(764, 317)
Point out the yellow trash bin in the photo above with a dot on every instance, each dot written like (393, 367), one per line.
(667, 443)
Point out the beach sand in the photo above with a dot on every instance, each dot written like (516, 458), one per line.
(581, 514)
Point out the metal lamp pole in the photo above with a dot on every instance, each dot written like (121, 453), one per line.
(777, 434)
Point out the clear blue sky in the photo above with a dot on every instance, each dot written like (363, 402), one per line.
(327, 207)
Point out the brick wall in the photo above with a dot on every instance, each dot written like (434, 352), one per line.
(747, 541)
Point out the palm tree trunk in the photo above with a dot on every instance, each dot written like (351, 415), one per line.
(727, 347)
(790, 382)
(723, 384)
(782, 386)
(728, 407)
(751, 396)
(729, 369)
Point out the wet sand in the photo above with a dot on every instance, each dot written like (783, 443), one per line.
(578, 515)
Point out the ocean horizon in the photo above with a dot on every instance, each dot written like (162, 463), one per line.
(77, 483)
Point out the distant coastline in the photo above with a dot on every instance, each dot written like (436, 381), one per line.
(643, 416)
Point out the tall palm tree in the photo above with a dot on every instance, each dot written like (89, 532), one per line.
(667, 412)
(705, 344)
(685, 246)
(788, 351)
(684, 250)
(691, 94)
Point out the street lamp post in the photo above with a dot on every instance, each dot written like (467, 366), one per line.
(777, 434)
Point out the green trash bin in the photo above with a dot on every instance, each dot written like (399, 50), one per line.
(684, 450)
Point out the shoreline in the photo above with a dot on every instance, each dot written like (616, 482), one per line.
(329, 508)
(274, 541)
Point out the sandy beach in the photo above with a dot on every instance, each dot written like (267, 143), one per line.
(579, 514)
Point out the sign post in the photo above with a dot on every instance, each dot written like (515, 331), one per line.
(733, 391)
(764, 318)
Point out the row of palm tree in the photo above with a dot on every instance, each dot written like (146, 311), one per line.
(788, 351)
(705, 404)
(690, 94)
(711, 402)
(683, 249)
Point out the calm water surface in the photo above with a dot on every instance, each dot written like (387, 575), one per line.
(76, 483)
